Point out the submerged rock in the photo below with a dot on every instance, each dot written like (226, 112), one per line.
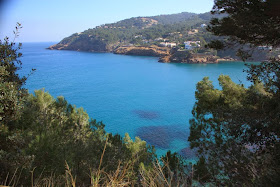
(144, 114)
(156, 136)
(162, 136)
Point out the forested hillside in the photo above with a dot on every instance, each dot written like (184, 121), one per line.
(134, 31)
(159, 30)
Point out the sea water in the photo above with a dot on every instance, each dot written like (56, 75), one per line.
(132, 94)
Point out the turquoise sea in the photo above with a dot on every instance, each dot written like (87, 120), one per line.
(130, 94)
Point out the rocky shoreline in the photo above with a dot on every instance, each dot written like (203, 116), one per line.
(165, 54)
(143, 51)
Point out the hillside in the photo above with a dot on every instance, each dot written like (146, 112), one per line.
(145, 32)
(135, 31)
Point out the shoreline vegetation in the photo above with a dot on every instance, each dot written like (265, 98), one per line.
(167, 55)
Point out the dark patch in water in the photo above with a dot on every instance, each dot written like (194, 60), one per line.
(188, 153)
(155, 136)
(162, 136)
(144, 114)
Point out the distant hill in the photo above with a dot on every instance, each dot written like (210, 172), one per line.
(173, 18)
(148, 33)
(132, 31)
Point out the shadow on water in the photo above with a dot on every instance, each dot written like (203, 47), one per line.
(144, 114)
(162, 136)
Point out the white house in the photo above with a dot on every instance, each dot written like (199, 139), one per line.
(188, 46)
(191, 44)
(171, 45)
(158, 39)
(167, 44)
(203, 25)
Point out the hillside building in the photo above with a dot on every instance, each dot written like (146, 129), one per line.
(167, 44)
(191, 44)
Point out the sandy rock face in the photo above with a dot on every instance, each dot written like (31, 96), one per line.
(143, 51)
(191, 59)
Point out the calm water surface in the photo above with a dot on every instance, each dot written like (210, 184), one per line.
(130, 94)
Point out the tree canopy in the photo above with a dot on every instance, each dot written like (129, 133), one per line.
(250, 22)
(235, 129)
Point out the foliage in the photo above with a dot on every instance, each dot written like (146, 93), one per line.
(236, 129)
(132, 31)
(176, 165)
(12, 96)
(161, 174)
(173, 18)
(56, 131)
(38, 134)
(248, 24)
(11, 84)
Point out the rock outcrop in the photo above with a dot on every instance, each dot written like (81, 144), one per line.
(143, 51)
(186, 57)
(227, 59)
(201, 58)
(166, 54)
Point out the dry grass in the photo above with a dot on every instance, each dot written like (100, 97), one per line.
(14, 180)
(157, 177)
(123, 176)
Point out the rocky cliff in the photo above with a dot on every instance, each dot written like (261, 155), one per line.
(186, 57)
(202, 58)
(167, 55)
(143, 51)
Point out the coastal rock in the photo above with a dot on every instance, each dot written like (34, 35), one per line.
(229, 59)
(165, 58)
(143, 51)
(202, 58)
(185, 57)
(166, 54)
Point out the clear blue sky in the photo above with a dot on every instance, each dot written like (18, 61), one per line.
(52, 20)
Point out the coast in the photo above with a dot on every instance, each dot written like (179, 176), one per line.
(165, 54)
(143, 51)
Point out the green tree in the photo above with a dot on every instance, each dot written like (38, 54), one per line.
(173, 166)
(60, 132)
(248, 24)
(236, 129)
(12, 95)
(11, 91)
